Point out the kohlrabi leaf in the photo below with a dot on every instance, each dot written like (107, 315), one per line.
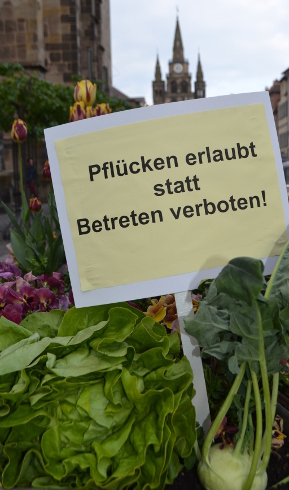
(242, 279)
(278, 285)
(234, 317)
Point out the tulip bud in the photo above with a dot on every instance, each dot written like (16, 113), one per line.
(85, 91)
(46, 171)
(19, 131)
(101, 109)
(89, 111)
(35, 204)
(77, 112)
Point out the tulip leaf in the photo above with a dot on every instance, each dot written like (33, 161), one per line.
(23, 253)
(13, 219)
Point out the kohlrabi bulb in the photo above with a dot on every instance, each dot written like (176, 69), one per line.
(228, 472)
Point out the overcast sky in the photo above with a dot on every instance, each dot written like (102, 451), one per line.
(243, 44)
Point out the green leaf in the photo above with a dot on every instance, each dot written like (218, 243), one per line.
(242, 279)
(11, 333)
(45, 324)
(278, 285)
(13, 220)
(105, 405)
(23, 253)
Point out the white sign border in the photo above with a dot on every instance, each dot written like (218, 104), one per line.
(165, 285)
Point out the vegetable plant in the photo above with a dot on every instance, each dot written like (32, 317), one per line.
(244, 321)
(95, 397)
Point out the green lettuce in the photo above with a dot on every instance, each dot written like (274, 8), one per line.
(94, 398)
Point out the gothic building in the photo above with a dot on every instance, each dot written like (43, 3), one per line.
(178, 79)
(57, 39)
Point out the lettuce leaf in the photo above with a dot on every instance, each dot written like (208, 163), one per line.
(95, 398)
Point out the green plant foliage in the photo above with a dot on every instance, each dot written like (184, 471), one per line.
(41, 104)
(94, 398)
(37, 245)
(243, 322)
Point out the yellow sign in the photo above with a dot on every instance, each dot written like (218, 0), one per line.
(171, 195)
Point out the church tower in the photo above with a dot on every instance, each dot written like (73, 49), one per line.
(200, 86)
(158, 85)
(178, 86)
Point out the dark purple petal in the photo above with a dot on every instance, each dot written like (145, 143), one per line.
(3, 293)
(134, 305)
(71, 298)
(12, 313)
(47, 299)
(56, 285)
(6, 275)
(30, 298)
(12, 297)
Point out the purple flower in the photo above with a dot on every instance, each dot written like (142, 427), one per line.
(64, 303)
(3, 292)
(9, 268)
(29, 277)
(53, 282)
(47, 299)
(6, 275)
(30, 298)
(71, 298)
(13, 298)
(12, 313)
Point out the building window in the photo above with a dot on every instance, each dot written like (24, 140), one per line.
(184, 87)
(283, 110)
(283, 139)
(200, 93)
(174, 87)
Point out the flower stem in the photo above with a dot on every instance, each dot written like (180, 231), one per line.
(51, 207)
(21, 185)
(24, 204)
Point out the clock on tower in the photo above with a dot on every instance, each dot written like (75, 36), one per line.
(178, 68)
(179, 84)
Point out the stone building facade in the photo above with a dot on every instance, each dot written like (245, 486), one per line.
(178, 84)
(57, 38)
(283, 113)
(280, 104)
(53, 39)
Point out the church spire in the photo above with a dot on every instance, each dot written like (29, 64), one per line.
(178, 52)
(158, 73)
(200, 85)
(200, 76)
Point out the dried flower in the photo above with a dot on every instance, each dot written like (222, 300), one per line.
(35, 204)
(19, 131)
(85, 91)
(46, 171)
